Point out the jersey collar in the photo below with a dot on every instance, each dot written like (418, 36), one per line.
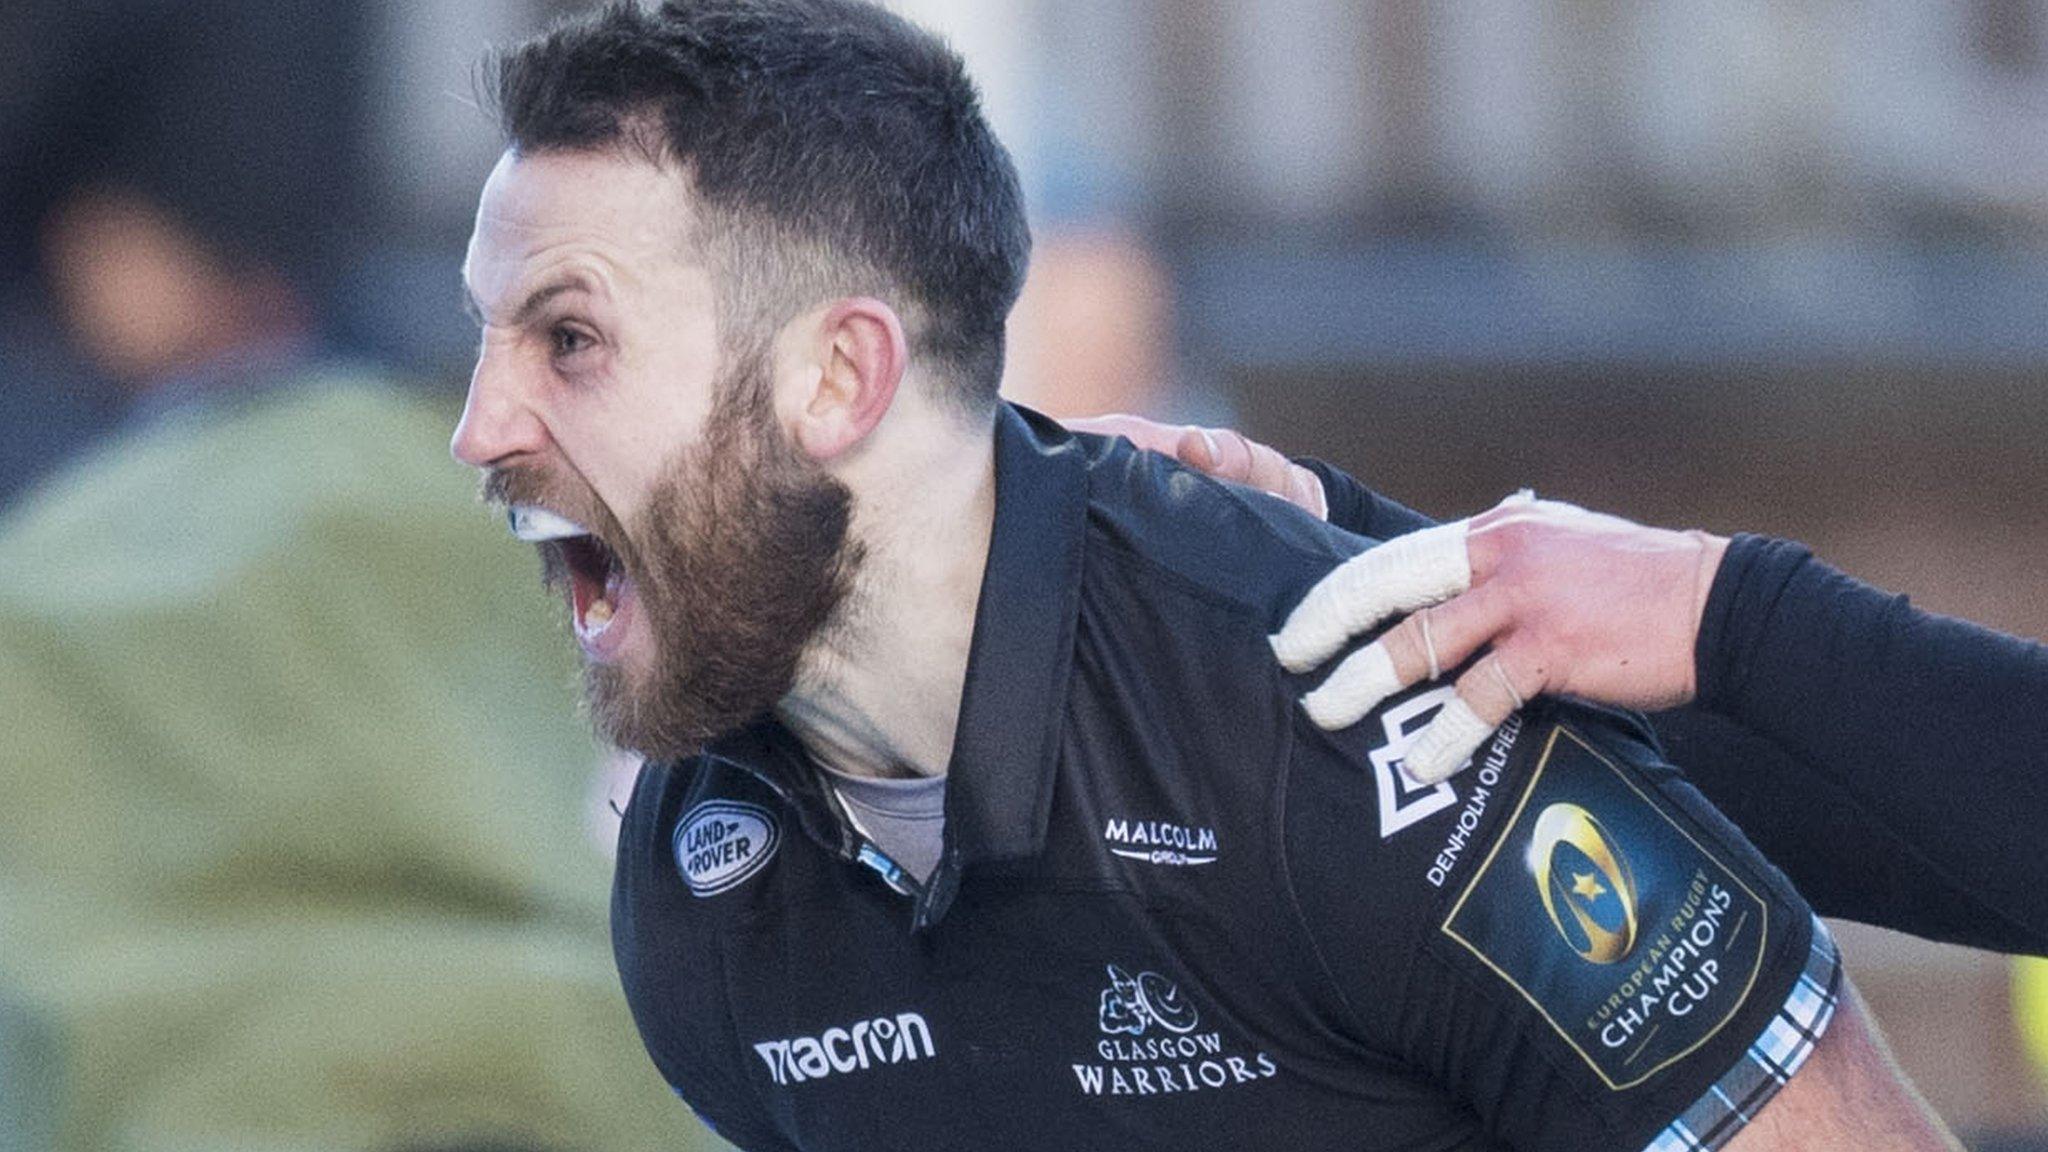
(1012, 708)
(999, 794)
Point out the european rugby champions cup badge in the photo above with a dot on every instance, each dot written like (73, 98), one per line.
(1585, 883)
(1630, 936)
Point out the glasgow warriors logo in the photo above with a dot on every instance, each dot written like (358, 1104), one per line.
(1585, 881)
(1152, 1044)
(1133, 1004)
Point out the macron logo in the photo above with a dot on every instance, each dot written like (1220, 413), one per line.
(883, 1040)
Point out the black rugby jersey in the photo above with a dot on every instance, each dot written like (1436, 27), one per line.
(1824, 704)
(1172, 913)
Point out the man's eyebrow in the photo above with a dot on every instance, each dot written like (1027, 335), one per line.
(532, 303)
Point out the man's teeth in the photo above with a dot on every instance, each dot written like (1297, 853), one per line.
(534, 525)
(597, 616)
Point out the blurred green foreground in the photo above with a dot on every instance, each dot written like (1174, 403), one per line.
(292, 796)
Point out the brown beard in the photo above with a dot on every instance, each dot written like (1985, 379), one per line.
(740, 558)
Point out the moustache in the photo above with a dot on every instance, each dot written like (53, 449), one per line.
(504, 486)
(607, 543)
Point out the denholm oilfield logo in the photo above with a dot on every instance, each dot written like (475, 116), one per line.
(1585, 883)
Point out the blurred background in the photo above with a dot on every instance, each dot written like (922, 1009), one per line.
(1771, 267)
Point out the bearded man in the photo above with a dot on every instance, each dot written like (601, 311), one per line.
(977, 811)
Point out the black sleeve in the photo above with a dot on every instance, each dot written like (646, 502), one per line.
(1885, 803)
(1360, 510)
(1924, 734)
(1566, 939)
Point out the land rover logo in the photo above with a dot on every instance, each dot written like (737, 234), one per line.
(1585, 882)
(720, 843)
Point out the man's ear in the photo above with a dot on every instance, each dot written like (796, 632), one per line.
(861, 355)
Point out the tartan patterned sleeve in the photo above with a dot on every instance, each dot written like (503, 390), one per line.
(1726, 1108)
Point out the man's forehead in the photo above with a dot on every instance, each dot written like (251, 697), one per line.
(616, 206)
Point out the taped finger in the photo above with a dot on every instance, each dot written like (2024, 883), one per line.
(1487, 696)
(1406, 573)
(1418, 648)
(1445, 747)
(1360, 683)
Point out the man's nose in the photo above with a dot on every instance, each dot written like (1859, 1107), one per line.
(497, 422)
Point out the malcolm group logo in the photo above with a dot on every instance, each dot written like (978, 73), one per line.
(1157, 842)
(1153, 1044)
(1585, 881)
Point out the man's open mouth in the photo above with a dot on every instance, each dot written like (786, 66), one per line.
(600, 591)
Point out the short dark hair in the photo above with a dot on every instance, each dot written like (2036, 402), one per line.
(833, 148)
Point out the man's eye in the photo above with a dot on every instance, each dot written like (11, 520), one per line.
(568, 341)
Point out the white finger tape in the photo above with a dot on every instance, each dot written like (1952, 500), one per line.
(1401, 575)
(1445, 747)
(1365, 678)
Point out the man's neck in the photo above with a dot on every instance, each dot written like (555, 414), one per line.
(879, 692)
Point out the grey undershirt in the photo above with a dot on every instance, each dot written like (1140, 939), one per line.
(906, 819)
